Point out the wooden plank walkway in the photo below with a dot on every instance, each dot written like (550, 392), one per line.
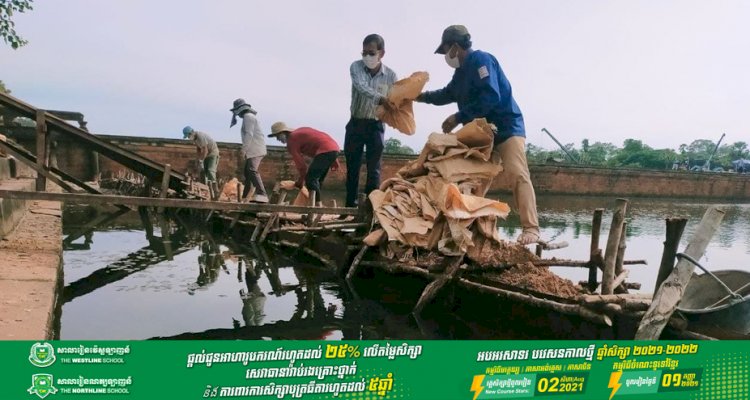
(84, 198)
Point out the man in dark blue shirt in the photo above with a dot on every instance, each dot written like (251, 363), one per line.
(481, 90)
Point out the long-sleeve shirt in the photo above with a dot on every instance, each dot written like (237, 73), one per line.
(253, 142)
(367, 90)
(481, 90)
(203, 141)
(308, 142)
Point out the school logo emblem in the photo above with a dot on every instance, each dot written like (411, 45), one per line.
(41, 385)
(42, 355)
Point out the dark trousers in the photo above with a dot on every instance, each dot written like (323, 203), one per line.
(252, 177)
(362, 136)
(317, 171)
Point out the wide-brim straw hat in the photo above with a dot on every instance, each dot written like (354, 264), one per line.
(278, 128)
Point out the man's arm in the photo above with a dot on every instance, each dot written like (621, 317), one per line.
(299, 162)
(485, 81)
(202, 152)
(438, 97)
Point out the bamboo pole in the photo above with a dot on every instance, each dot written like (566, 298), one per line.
(399, 268)
(256, 232)
(612, 298)
(323, 259)
(41, 149)
(311, 216)
(329, 227)
(613, 242)
(267, 227)
(355, 263)
(620, 259)
(84, 198)
(164, 185)
(582, 264)
(552, 246)
(675, 228)
(568, 309)
(596, 228)
(670, 292)
(274, 217)
(452, 271)
(629, 285)
(620, 279)
(595, 253)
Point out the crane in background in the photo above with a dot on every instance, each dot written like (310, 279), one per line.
(707, 165)
(575, 160)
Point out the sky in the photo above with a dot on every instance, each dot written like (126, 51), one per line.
(665, 72)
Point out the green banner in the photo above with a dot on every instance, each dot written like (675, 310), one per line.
(374, 370)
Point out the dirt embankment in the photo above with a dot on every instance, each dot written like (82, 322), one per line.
(30, 265)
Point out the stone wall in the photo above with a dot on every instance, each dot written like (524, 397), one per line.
(547, 179)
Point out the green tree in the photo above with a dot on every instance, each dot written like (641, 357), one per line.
(585, 145)
(7, 26)
(3, 89)
(638, 155)
(599, 153)
(739, 150)
(394, 146)
(700, 149)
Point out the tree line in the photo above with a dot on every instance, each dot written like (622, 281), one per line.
(636, 154)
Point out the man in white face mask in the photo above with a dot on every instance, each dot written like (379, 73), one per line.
(481, 90)
(371, 82)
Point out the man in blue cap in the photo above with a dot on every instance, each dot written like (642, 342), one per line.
(480, 88)
(208, 153)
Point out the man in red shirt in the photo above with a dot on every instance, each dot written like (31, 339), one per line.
(311, 143)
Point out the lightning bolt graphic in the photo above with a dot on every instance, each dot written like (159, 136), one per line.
(614, 383)
(476, 386)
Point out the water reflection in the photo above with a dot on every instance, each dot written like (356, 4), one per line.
(253, 298)
(139, 276)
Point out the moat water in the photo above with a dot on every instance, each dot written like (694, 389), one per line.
(123, 281)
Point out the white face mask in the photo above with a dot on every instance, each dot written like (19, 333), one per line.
(371, 62)
(452, 61)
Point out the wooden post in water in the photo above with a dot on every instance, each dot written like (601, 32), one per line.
(613, 242)
(595, 253)
(281, 196)
(41, 150)
(621, 274)
(675, 228)
(670, 292)
(311, 216)
(164, 185)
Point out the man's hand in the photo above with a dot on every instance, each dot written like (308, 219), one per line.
(450, 123)
(287, 185)
(389, 105)
(420, 98)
